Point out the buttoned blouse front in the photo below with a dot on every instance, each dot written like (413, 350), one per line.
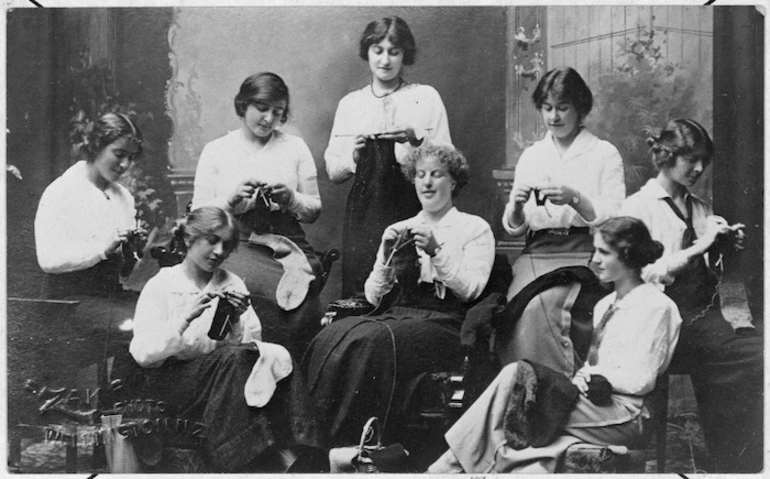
(462, 264)
(160, 314)
(227, 161)
(649, 205)
(590, 165)
(360, 112)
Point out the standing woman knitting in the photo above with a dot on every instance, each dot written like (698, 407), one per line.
(726, 365)
(267, 179)
(565, 184)
(374, 129)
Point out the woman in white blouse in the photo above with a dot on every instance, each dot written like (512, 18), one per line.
(86, 235)
(564, 184)
(267, 179)
(362, 366)
(726, 364)
(85, 217)
(374, 129)
(636, 328)
(199, 368)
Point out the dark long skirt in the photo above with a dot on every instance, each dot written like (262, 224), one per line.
(727, 371)
(210, 390)
(726, 368)
(360, 367)
(102, 305)
(261, 272)
(380, 196)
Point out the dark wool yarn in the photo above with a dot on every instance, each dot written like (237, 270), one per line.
(380, 196)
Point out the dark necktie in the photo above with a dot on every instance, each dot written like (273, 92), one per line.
(688, 238)
(596, 338)
(695, 286)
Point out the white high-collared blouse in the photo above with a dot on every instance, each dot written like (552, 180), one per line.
(76, 221)
(648, 204)
(161, 312)
(227, 161)
(462, 264)
(360, 112)
(590, 165)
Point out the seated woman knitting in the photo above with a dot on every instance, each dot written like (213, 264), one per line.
(361, 366)
(197, 348)
(518, 425)
(87, 236)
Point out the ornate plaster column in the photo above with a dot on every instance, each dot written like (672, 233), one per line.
(526, 60)
(184, 108)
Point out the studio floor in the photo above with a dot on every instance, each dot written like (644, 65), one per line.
(685, 446)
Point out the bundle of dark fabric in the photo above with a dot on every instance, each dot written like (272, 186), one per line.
(539, 406)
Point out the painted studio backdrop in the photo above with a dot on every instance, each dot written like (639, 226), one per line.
(180, 68)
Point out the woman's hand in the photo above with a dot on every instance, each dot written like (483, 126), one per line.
(724, 234)
(359, 142)
(424, 239)
(240, 302)
(401, 134)
(581, 380)
(389, 238)
(715, 226)
(244, 190)
(739, 237)
(559, 194)
(279, 193)
(518, 199)
(202, 303)
(521, 195)
(116, 242)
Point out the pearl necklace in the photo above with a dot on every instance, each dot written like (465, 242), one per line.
(401, 83)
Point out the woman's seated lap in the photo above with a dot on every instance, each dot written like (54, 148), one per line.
(85, 232)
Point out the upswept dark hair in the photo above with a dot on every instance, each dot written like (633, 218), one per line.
(566, 85)
(265, 86)
(631, 239)
(394, 29)
(109, 128)
(681, 137)
(204, 221)
(447, 155)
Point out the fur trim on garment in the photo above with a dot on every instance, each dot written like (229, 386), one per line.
(539, 407)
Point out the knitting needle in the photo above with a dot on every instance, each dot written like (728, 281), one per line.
(227, 318)
(405, 244)
(398, 245)
(341, 135)
(399, 238)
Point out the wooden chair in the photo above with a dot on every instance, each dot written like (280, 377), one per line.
(660, 415)
(583, 458)
(460, 389)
